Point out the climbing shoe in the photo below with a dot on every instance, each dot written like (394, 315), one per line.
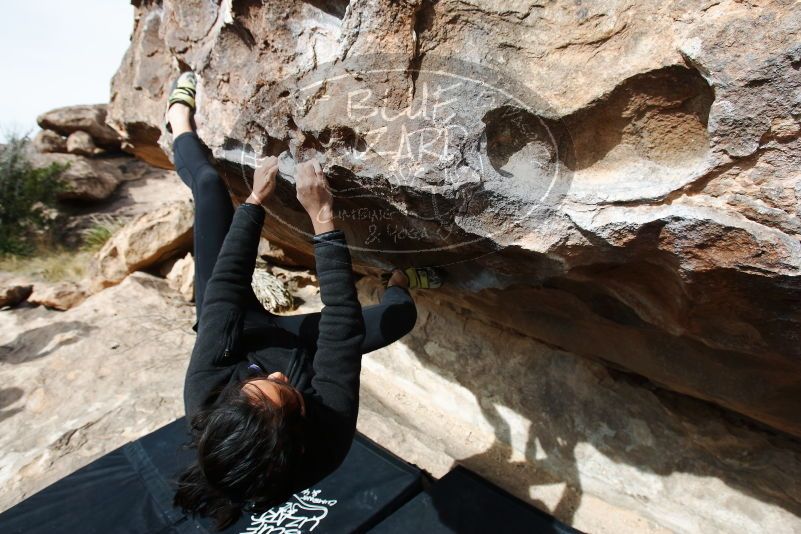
(419, 277)
(183, 90)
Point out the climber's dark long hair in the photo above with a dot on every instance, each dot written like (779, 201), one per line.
(246, 450)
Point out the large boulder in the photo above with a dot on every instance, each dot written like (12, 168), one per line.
(49, 141)
(639, 186)
(587, 443)
(80, 143)
(617, 182)
(87, 118)
(86, 179)
(143, 242)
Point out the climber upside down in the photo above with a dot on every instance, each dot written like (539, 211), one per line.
(271, 400)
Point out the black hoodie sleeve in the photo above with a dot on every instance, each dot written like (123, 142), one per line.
(227, 294)
(337, 362)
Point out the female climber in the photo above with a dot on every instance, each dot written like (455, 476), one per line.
(271, 400)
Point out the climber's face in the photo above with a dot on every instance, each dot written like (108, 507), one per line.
(276, 388)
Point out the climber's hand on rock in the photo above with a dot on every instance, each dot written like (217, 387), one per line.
(314, 195)
(263, 180)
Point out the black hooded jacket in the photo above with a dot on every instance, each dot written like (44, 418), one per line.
(233, 333)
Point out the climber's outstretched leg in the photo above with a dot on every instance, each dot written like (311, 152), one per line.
(384, 323)
(214, 210)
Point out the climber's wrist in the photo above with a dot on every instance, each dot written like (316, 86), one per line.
(254, 199)
(322, 219)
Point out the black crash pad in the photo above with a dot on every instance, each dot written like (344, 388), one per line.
(463, 502)
(130, 490)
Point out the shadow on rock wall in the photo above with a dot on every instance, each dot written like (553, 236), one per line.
(564, 426)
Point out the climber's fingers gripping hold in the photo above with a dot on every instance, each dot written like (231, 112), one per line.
(314, 194)
(312, 187)
(264, 179)
(318, 170)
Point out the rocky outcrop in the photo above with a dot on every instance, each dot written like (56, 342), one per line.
(49, 141)
(72, 137)
(81, 144)
(85, 179)
(146, 241)
(90, 119)
(58, 296)
(600, 449)
(141, 189)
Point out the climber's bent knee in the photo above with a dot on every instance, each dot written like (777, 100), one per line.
(399, 319)
(207, 178)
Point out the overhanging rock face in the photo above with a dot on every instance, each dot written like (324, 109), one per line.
(618, 180)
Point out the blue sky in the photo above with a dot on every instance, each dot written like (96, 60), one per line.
(58, 53)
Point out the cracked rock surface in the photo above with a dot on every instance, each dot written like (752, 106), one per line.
(669, 244)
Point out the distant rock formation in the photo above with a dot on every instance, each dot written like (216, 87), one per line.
(46, 141)
(78, 138)
(89, 120)
(109, 186)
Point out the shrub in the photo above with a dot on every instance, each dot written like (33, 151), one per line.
(27, 195)
(103, 227)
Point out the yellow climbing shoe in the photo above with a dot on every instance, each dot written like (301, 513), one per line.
(183, 90)
(419, 277)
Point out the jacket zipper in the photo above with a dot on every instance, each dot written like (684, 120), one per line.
(228, 336)
(292, 364)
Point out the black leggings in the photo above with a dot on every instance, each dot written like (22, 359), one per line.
(385, 322)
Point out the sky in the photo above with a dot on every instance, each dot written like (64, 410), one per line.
(58, 53)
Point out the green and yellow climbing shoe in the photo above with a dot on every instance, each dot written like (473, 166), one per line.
(419, 277)
(183, 90)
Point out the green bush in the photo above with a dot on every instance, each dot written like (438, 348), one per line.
(26, 194)
(103, 227)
